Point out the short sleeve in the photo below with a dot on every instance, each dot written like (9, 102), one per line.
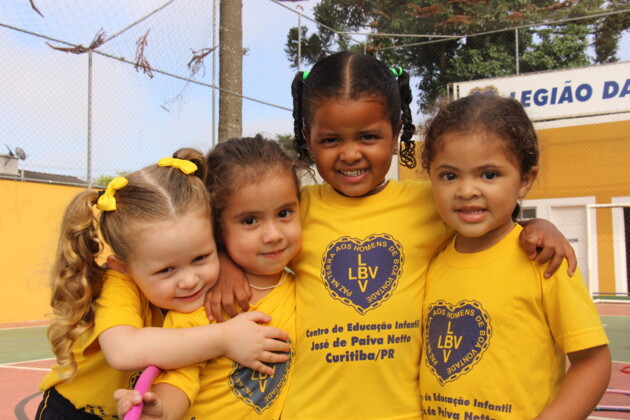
(187, 378)
(571, 313)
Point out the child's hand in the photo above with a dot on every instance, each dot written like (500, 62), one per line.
(543, 242)
(231, 286)
(127, 398)
(253, 345)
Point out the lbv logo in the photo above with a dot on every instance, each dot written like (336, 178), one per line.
(448, 342)
(362, 273)
(262, 378)
(457, 337)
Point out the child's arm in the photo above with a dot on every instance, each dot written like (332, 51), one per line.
(164, 402)
(241, 339)
(582, 387)
(231, 286)
(542, 241)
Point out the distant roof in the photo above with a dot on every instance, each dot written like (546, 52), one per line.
(46, 177)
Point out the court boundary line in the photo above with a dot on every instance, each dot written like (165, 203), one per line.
(26, 368)
(22, 328)
(31, 361)
(600, 418)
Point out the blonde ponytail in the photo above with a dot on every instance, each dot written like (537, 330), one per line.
(76, 280)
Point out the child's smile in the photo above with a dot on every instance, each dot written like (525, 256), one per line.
(471, 214)
(352, 144)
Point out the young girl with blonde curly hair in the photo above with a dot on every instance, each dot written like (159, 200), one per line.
(157, 223)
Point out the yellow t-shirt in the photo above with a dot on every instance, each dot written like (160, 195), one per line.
(93, 386)
(496, 333)
(223, 389)
(359, 292)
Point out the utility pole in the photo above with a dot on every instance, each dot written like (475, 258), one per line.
(230, 69)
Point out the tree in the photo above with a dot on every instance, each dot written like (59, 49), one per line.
(104, 180)
(608, 32)
(231, 65)
(440, 61)
(286, 143)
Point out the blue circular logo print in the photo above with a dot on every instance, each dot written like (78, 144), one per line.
(258, 390)
(456, 338)
(362, 273)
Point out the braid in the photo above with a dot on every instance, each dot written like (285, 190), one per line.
(299, 143)
(77, 280)
(407, 154)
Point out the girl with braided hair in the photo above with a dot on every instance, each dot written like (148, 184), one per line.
(367, 244)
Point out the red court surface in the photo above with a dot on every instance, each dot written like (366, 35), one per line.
(19, 395)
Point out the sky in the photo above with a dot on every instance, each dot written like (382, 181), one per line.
(135, 119)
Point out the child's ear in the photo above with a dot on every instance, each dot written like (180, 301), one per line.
(527, 180)
(116, 264)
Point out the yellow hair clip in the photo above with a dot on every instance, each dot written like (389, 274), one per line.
(183, 165)
(106, 201)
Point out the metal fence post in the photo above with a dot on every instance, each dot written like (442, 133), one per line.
(89, 123)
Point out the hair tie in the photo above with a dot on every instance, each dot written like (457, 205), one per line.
(398, 71)
(106, 200)
(183, 165)
(305, 74)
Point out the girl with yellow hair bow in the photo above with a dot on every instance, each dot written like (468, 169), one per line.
(157, 224)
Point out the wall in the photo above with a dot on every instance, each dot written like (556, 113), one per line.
(582, 160)
(30, 214)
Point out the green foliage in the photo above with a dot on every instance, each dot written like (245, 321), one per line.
(608, 32)
(103, 180)
(438, 61)
(558, 48)
(311, 46)
(286, 142)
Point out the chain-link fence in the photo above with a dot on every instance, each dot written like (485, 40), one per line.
(92, 112)
(77, 102)
(92, 89)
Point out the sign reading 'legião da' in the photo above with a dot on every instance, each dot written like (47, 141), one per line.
(593, 90)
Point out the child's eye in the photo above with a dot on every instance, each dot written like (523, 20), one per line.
(285, 213)
(249, 221)
(448, 176)
(201, 258)
(329, 140)
(369, 137)
(489, 175)
(165, 270)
